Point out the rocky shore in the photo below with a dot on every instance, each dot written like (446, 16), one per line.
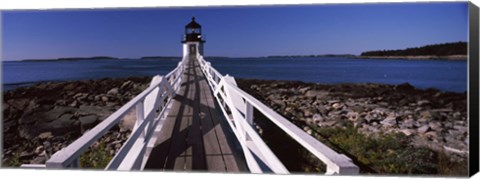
(41, 119)
(428, 118)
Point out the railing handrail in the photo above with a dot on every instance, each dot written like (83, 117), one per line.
(68, 156)
(336, 163)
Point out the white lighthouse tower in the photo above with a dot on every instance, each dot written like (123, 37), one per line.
(192, 40)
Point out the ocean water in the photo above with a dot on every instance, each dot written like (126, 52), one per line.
(444, 75)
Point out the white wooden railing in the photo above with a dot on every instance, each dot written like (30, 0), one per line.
(238, 106)
(151, 110)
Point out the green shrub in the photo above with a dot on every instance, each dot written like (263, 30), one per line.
(386, 153)
(96, 159)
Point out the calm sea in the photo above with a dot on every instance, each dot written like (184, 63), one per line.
(440, 74)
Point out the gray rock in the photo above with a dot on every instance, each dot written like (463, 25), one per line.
(80, 96)
(102, 112)
(118, 146)
(279, 102)
(48, 116)
(423, 102)
(39, 160)
(39, 149)
(25, 155)
(59, 127)
(126, 85)
(73, 104)
(461, 129)
(384, 104)
(444, 110)
(389, 121)
(455, 134)
(317, 118)
(315, 93)
(308, 112)
(423, 129)
(22, 104)
(432, 135)
(306, 128)
(408, 123)
(337, 105)
(322, 109)
(104, 98)
(435, 125)
(111, 104)
(45, 135)
(370, 118)
(65, 117)
(88, 122)
(304, 90)
(9, 124)
(373, 129)
(427, 115)
(327, 123)
(381, 111)
(424, 119)
(60, 102)
(352, 116)
(113, 92)
(408, 132)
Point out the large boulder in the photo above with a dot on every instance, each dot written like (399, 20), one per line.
(48, 116)
(87, 122)
(61, 126)
(101, 112)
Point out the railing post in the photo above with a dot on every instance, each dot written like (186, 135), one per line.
(248, 116)
(75, 163)
(140, 115)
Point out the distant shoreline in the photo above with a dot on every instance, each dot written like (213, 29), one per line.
(71, 59)
(418, 57)
(411, 57)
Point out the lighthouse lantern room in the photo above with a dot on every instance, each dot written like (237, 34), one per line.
(192, 40)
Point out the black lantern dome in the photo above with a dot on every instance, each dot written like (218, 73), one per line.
(193, 32)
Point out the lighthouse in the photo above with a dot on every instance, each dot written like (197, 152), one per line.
(192, 40)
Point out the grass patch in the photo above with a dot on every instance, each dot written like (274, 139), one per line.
(13, 161)
(95, 158)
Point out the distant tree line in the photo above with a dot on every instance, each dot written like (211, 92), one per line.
(311, 56)
(455, 48)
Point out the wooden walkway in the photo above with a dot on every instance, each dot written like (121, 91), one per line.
(195, 135)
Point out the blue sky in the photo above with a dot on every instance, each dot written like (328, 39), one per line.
(232, 31)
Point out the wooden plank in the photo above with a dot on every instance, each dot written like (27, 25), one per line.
(159, 154)
(231, 163)
(215, 163)
(179, 163)
(178, 148)
(209, 133)
(215, 119)
(194, 138)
